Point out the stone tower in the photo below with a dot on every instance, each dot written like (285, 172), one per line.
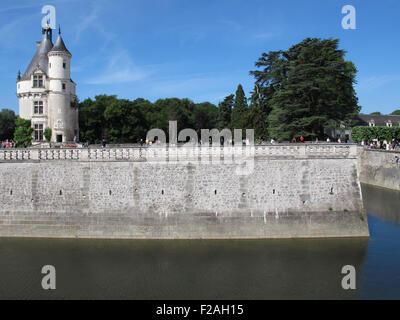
(46, 92)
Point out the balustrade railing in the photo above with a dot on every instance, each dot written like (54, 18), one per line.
(176, 153)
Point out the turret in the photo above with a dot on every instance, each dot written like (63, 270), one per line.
(59, 60)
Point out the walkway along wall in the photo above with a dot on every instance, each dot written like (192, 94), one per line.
(296, 191)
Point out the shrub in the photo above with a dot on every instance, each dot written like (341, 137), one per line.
(368, 134)
(23, 132)
(47, 134)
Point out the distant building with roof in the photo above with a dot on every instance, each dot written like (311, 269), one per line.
(343, 130)
(46, 92)
(373, 120)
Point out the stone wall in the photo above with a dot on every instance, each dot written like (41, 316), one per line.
(298, 191)
(380, 168)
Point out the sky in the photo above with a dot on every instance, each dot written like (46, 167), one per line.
(198, 49)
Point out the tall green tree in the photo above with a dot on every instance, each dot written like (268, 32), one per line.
(23, 132)
(257, 118)
(7, 124)
(240, 112)
(225, 112)
(306, 88)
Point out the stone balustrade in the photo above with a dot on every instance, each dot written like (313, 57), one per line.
(158, 153)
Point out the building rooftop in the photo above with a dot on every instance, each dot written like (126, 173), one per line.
(40, 60)
(60, 45)
(380, 120)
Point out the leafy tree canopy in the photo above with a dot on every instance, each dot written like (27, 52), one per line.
(7, 124)
(305, 88)
(225, 112)
(23, 132)
(125, 121)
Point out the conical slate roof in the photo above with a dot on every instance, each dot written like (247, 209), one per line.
(40, 59)
(60, 45)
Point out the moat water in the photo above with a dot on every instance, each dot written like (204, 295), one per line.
(270, 269)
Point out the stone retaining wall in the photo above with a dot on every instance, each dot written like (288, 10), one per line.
(299, 191)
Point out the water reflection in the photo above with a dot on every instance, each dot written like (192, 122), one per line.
(383, 204)
(180, 270)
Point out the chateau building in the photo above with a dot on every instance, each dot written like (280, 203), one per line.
(46, 92)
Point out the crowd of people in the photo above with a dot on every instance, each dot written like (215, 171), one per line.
(385, 145)
(8, 144)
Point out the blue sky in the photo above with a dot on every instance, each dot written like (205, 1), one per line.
(199, 49)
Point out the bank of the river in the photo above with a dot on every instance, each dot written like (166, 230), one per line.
(267, 269)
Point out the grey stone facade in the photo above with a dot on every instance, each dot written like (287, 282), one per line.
(380, 168)
(292, 192)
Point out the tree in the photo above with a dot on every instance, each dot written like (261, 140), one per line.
(205, 116)
(7, 124)
(91, 118)
(306, 88)
(47, 134)
(125, 121)
(174, 109)
(395, 113)
(240, 110)
(23, 132)
(258, 114)
(225, 112)
(376, 114)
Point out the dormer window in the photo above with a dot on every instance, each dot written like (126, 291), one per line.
(372, 123)
(38, 81)
(389, 124)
